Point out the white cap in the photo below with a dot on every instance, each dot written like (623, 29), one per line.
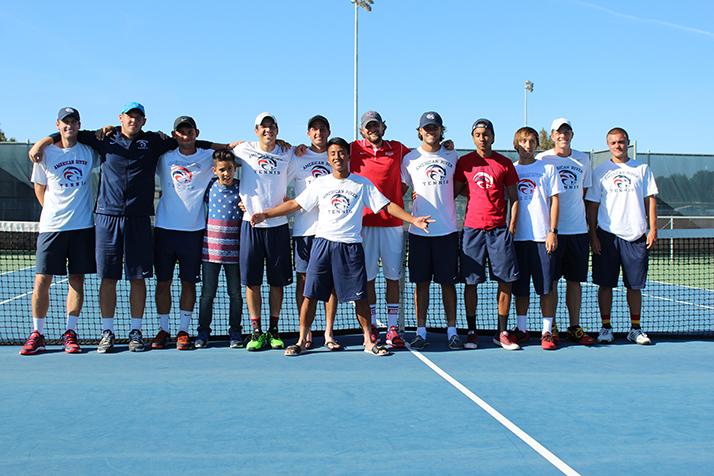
(560, 122)
(262, 116)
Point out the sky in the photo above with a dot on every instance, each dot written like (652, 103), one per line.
(647, 66)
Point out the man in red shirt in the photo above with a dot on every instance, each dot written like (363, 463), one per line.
(380, 161)
(490, 181)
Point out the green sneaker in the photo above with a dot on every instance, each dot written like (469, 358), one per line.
(275, 341)
(257, 341)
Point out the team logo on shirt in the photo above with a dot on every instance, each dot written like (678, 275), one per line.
(622, 182)
(72, 174)
(568, 178)
(142, 144)
(181, 175)
(483, 180)
(267, 166)
(319, 171)
(526, 187)
(340, 203)
(435, 172)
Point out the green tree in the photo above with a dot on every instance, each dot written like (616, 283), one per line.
(545, 141)
(4, 138)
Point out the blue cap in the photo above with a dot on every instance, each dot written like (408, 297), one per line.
(431, 118)
(131, 106)
(66, 112)
(485, 123)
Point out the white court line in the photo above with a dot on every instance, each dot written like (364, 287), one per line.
(665, 283)
(20, 296)
(512, 427)
(16, 270)
(646, 294)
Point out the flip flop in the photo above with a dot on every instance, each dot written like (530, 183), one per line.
(293, 350)
(308, 344)
(333, 345)
(378, 351)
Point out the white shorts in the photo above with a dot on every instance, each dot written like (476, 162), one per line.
(386, 243)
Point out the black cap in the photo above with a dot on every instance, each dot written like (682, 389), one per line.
(482, 123)
(184, 120)
(430, 118)
(318, 117)
(66, 112)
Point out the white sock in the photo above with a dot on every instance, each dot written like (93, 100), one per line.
(164, 322)
(185, 320)
(136, 323)
(547, 325)
(421, 332)
(522, 326)
(72, 323)
(108, 324)
(450, 332)
(393, 314)
(39, 324)
(373, 312)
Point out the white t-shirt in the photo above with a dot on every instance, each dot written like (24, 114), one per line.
(575, 174)
(68, 196)
(431, 175)
(340, 204)
(537, 183)
(264, 180)
(620, 189)
(302, 172)
(183, 180)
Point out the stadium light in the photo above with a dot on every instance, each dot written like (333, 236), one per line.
(528, 87)
(367, 5)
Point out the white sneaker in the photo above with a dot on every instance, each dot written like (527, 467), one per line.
(638, 337)
(606, 336)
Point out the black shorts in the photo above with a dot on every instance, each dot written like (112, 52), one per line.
(497, 246)
(183, 246)
(301, 252)
(338, 266)
(632, 256)
(571, 258)
(265, 248)
(434, 258)
(127, 241)
(533, 262)
(60, 251)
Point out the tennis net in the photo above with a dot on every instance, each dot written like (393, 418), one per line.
(678, 300)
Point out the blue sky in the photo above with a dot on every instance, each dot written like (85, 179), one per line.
(645, 66)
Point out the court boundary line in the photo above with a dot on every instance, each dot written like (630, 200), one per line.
(548, 455)
(17, 270)
(20, 296)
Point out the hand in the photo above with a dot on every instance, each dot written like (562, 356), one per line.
(300, 150)
(448, 144)
(512, 230)
(282, 144)
(423, 222)
(235, 144)
(104, 132)
(257, 218)
(651, 238)
(414, 195)
(241, 206)
(595, 245)
(551, 242)
(162, 135)
(35, 154)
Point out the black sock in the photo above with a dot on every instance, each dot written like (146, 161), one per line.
(471, 323)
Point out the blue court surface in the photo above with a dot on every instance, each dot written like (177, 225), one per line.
(618, 409)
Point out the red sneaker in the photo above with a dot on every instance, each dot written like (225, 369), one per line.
(182, 341)
(547, 342)
(161, 339)
(505, 340)
(374, 334)
(34, 345)
(69, 341)
(577, 334)
(394, 340)
(519, 336)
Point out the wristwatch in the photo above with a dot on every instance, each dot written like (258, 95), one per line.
(553, 230)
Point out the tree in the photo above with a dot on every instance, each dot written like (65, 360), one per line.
(545, 141)
(4, 138)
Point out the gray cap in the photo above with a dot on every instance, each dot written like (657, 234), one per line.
(370, 116)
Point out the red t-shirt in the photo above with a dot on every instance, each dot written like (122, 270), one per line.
(486, 179)
(383, 168)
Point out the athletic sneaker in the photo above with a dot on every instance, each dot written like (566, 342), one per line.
(182, 341)
(577, 334)
(257, 341)
(519, 336)
(471, 340)
(161, 339)
(418, 343)
(201, 340)
(638, 337)
(455, 343)
(605, 336)
(505, 340)
(547, 342)
(235, 340)
(274, 340)
(106, 343)
(374, 334)
(34, 345)
(394, 340)
(69, 341)
(136, 341)
(555, 332)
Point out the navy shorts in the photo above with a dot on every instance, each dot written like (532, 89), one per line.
(434, 257)
(497, 246)
(58, 251)
(127, 241)
(632, 256)
(186, 247)
(301, 252)
(338, 266)
(571, 258)
(533, 262)
(265, 248)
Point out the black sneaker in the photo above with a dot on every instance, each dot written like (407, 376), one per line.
(106, 343)
(136, 341)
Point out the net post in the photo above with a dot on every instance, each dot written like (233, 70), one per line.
(671, 240)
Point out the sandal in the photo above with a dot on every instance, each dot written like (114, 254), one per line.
(333, 345)
(293, 350)
(378, 351)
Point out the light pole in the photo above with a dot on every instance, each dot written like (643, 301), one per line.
(367, 5)
(528, 87)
